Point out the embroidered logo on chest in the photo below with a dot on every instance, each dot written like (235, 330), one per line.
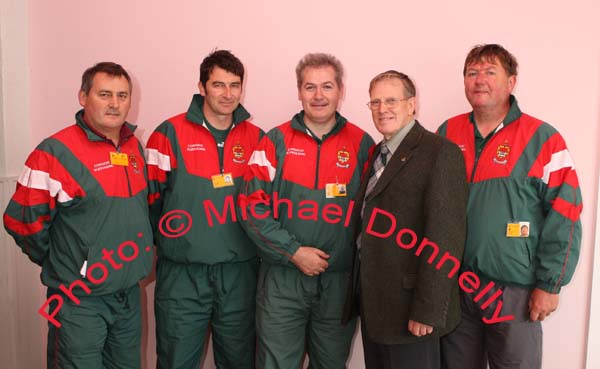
(343, 157)
(502, 153)
(134, 164)
(238, 154)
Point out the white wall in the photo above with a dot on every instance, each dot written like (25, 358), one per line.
(22, 342)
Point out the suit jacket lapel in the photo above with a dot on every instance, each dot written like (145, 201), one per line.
(401, 156)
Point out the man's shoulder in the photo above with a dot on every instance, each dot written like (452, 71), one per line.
(281, 130)
(541, 125)
(175, 120)
(442, 145)
(354, 128)
(171, 125)
(431, 137)
(285, 126)
(70, 135)
(460, 118)
(248, 125)
(68, 131)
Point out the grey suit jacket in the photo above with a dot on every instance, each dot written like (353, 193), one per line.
(421, 195)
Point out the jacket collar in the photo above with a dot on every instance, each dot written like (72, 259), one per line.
(126, 132)
(399, 158)
(299, 125)
(513, 114)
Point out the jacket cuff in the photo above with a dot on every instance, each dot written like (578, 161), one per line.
(425, 315)
(548, 287)
(287, 259)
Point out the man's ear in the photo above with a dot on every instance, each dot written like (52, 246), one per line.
(201, 89)
(512, 82)
(412, 105)
(82, 98)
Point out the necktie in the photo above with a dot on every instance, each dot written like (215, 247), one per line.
(378, 167)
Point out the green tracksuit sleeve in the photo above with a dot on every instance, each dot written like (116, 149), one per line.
(261, 182)
(560, 238)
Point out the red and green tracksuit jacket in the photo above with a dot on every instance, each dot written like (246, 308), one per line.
(524, 173)
(284, 191)
(182, 157)
(73, 207)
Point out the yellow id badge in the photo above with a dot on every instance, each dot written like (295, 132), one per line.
(517, 229)
(335, 190)
(222, 180)
(119, 158)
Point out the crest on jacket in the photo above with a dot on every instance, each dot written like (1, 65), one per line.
(343, 157)
(134, 164)
(502, 152)
(238, 153)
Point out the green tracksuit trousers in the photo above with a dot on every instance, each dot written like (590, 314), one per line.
(190, 296)
(101, 332)
(296, 313)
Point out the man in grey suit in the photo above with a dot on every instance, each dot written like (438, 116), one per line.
(413, 193)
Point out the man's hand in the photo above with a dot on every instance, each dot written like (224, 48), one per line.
(541, 304)
(419, 329)
(311, 261)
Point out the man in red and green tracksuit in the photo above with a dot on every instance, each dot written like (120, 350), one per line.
(298, 200)
(80, 211)
(524, 230)
(207, 265)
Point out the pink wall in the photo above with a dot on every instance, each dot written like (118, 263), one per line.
(162, 47)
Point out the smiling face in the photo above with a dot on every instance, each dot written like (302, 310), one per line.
(488, 85)
(319, 94)
(391, 109)
(221, 95)
(106, 104)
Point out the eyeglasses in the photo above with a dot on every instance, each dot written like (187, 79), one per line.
(389, 103)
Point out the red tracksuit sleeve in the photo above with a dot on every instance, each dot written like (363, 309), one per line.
(262, 179)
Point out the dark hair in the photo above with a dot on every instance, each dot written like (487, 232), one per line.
(223, 59)
(318, 60)
(409, 86)
(110, 68)
(489, 53)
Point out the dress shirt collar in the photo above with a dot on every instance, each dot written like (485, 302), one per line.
(393, 143)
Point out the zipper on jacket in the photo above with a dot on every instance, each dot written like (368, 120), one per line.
(221, 163)
(474, 167)
(483, 149)
(318, 160)
(477, 156)
(126, 174)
